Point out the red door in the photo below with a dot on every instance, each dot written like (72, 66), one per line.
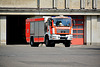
(78, 30)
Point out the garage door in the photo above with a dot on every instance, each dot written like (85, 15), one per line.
(78, 30)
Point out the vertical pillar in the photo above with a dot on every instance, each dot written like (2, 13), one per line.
(82, 4)
(38, 3)
(87, 31)
(54, 4)
(67, 4)
(3, 29)
(94, 4)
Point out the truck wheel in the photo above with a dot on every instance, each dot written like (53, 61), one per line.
(35, 45)
(32, 42)
(67, 43)
(47, 42)
(52, 43)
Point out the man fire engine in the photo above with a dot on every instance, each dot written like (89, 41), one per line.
(53, 30)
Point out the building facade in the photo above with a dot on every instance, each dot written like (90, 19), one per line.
(86, 13)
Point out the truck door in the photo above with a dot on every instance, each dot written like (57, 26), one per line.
(41, 31)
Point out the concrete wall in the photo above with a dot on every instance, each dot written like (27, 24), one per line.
(74, 4)
(98, 4)
(94, 37)
(60, 4)
(92, 30)
(95, 29)
(98, 29)
(46, 4)
(3, 29)
(88, 4)
(19, 3)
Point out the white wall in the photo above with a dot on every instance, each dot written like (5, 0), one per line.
(46, 4)
(92, 30)
(73, 4)
(60, 4)
(3, 29)
(18, 3)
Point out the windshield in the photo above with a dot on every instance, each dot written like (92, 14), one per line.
(62, 21)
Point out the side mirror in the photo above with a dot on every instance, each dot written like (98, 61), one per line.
(50, 21)
(74, 22)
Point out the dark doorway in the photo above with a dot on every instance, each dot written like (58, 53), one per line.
(16, 29)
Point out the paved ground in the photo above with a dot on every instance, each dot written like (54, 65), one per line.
(59, 56)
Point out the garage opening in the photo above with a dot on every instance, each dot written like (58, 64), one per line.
(16, 29)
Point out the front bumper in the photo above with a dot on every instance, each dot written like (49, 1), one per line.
(60, 37)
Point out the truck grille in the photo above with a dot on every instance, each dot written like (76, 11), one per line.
(62, 31)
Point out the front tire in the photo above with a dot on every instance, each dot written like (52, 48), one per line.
(49, 43)
(67, 43)
(52, 43)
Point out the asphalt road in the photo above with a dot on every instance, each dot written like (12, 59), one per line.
(59, 56)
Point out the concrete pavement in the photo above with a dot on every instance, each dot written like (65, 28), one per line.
(59, 56)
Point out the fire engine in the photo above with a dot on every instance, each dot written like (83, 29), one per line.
(49, 30)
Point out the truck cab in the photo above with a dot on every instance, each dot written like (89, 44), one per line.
(59, 30)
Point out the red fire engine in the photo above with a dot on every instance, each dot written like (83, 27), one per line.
(53, 30)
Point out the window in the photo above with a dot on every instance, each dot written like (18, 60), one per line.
(80, 36)
(62, 22)
(80, 31)
(80, 22)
